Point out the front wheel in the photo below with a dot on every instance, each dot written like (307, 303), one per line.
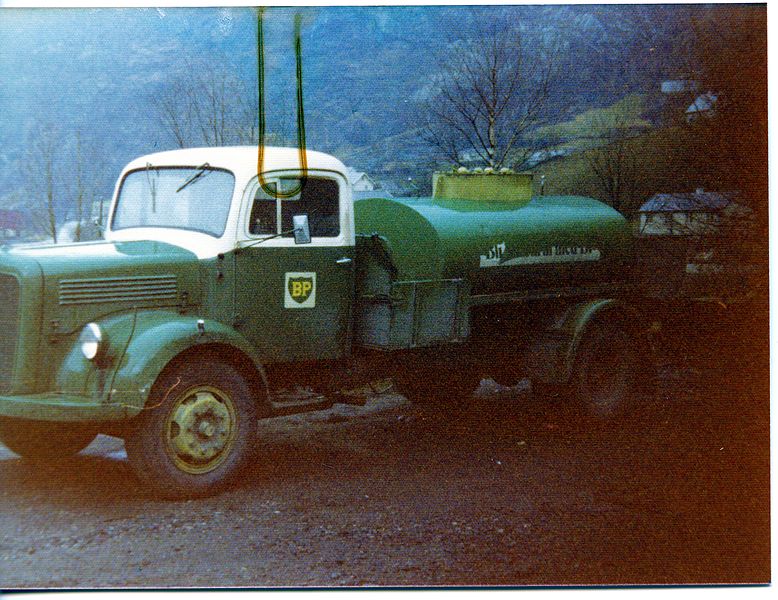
(197, 433)
(42, 441)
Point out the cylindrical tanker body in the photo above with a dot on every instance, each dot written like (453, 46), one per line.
(500, 246)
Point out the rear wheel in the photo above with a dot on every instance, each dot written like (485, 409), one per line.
(198, 433)
(43, 441)
(608, 376)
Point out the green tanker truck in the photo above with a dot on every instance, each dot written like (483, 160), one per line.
(214, 291)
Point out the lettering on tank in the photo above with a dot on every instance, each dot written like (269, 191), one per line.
(553, 254)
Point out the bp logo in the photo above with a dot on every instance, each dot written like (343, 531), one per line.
(300, 290)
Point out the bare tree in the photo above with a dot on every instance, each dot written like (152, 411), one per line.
(615, 159)
(80, 191)
(63, 171)
(172, 107)
(207, 107)
(42, 175)
(84, 167)
(491, 92)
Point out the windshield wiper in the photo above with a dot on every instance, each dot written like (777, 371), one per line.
(201, 170)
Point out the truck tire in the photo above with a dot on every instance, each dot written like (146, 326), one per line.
(606, 372)
(42, 441)
(197, 433)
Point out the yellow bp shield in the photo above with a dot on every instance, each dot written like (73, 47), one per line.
(300, 290)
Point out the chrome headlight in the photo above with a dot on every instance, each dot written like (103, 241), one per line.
(91, 341)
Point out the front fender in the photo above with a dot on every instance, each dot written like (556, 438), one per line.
(142, 344)
(81, 377)
(159, 337)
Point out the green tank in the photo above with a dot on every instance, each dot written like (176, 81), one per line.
(424, 263)
(499, 245)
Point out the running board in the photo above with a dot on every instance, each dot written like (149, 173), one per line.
(284, 404)
(299, 400)
(306, 400)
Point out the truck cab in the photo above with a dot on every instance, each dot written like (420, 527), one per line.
(290, 300)
(163, 331)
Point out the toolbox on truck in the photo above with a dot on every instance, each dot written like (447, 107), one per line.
(394, 314)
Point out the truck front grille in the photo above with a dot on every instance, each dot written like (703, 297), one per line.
(9, 328)
(118, 289)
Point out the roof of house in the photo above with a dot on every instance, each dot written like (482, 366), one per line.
(703, 103)
(677, 86)
(687, 202)
(354, 175)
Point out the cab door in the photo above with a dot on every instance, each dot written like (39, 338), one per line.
(294, 300)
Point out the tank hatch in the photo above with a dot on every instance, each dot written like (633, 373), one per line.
(513, 188)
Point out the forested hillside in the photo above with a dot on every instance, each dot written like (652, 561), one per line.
(91, 87)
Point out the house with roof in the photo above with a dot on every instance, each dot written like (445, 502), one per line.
(703, 106)
(360, 182)
(676, 94)
(679, 86)
(695, 213)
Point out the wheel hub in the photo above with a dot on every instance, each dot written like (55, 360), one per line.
(200, 429)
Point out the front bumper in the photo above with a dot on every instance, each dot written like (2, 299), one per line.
(63, 407)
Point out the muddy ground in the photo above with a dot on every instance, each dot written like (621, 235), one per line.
(501, 489)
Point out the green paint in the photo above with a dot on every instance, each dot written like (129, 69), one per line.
(158, 338)
(61, 407)
(239, 297)
(430, 238)
(282, 333)
(20, 334)
(65, 287)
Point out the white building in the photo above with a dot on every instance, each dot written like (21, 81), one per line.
(697, 213)
(703, 106)
(679, 86)
(360, 182)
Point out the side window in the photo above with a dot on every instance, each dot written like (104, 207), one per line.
(319, 199)
(264, 214)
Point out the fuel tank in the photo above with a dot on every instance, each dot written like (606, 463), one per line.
(499, 242)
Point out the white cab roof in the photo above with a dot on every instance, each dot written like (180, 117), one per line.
(241, 160)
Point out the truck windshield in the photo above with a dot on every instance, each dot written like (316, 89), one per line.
(193, 198)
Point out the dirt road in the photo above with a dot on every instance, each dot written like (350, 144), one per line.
(498, 490)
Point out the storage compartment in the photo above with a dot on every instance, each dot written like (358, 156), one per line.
(396, 315)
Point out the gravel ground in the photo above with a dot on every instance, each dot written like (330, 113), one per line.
(500, 490)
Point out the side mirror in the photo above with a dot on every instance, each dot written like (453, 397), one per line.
(302, 231)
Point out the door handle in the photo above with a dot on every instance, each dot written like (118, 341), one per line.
(343, 261)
